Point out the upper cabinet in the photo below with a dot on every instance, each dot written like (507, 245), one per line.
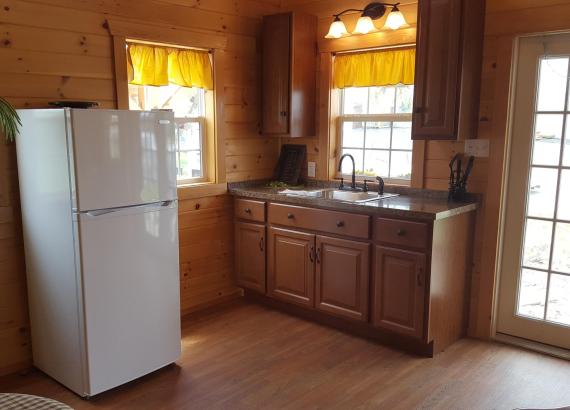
(448, 69)
(289, 64)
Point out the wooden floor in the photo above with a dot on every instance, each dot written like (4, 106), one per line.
(246, 356)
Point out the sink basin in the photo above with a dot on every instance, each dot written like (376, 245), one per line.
(340, 195)
(357, 197)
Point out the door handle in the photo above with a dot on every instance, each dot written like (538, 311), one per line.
(419, 277)
(319, 255)
(311, 254)
(261, 244)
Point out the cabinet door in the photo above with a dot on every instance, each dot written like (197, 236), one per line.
(250, 255)
(342, 274)
(291, 273)
(275, 67)
(436, 94)
(399, 291)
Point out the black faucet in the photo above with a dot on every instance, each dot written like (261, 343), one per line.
(380, 185)
(353, 185)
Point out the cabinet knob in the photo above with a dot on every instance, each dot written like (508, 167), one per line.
(247, 210)
(401, 232)
(418, 110)
(290, 216)
(340, 224)
(283, 113)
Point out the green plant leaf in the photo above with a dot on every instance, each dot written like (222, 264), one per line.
(10, 122)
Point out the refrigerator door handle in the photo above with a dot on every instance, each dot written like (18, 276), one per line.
(154, 205)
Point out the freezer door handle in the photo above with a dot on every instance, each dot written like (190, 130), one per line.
(152, 205)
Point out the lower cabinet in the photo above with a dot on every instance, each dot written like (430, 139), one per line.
(399, 291)
(291, 266)
(250, 255)
(342, 277)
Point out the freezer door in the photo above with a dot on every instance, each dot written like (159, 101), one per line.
(131, 293)
(122, 158)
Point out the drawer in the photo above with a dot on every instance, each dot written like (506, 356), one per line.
(340, 223)
(249, 210)
(403, 233)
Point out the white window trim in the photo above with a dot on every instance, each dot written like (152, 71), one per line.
(203, 146)
(407, 117)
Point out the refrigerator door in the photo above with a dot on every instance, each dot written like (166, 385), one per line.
(131, 293)
(122, 158)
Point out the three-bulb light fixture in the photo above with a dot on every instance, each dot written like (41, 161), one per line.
(365, 23)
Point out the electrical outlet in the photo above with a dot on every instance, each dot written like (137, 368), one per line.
(477, 148)
(311, 169)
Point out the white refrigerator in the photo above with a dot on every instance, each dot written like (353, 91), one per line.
(99, 213)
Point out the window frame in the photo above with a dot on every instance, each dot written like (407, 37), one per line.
(391, 117)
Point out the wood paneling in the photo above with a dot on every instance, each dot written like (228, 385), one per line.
(62, 50)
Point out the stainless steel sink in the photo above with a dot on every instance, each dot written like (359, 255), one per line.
(343, 196)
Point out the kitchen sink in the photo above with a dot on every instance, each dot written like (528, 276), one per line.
(341, 195)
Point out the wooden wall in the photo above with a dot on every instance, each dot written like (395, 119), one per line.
(61, 49)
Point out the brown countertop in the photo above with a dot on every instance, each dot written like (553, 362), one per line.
(411, 203)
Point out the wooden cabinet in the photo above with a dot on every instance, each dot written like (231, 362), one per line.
(399, 291)
(342, 272)
(250, 255)
(448, 69)
(291, 270)
(288, 75)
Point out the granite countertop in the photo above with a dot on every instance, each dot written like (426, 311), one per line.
(411, 203)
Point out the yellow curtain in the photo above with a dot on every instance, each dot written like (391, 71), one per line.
(158, 66)
(190, 68)
(374, 69)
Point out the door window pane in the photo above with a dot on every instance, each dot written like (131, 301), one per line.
(532, 293)
(542, 192)
(552, 84)
(378, 135)
(564, 196)
(561, 254)
(536, 253)
(547, 137)
(559, 299)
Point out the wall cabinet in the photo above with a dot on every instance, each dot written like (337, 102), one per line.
(291, 274)
(399, 291)
(250, 255)
(342, 274)
(448, 69)
(288, 75)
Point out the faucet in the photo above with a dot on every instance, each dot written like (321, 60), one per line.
(380, 185)
(353, 185)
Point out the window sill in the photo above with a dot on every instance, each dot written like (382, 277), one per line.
(201, 190)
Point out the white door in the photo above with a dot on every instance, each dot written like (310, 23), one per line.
(131, 292)
(123, 158)
(534, 295)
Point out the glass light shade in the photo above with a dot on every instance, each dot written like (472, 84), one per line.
(395, 20)
(337, 30)
(364, 25)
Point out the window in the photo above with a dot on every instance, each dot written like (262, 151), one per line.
(189, 109)
(376, 129)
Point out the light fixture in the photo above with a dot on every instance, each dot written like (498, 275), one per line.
(365, 23)
(395, 19)
(337, 29)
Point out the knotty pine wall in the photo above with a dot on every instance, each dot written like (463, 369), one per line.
(60, 49)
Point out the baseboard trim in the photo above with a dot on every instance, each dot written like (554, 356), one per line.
(532, 345)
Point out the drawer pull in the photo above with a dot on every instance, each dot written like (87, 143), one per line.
(340, 224)
(290, 216)
(247, 211)
(311, 254)
(401, 232)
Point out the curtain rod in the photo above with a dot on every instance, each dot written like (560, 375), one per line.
(384, 48)
(156, 43)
